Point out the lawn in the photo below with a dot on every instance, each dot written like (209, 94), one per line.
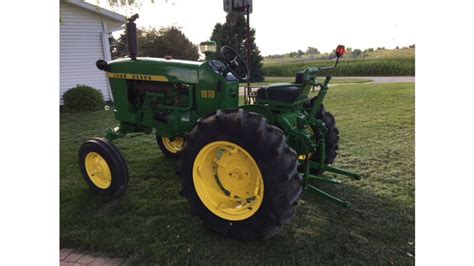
(152, 224)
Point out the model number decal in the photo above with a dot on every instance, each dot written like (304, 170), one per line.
(209, 94)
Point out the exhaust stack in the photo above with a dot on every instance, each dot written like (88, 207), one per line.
(132, 37)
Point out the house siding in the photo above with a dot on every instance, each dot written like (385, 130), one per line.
(80, 47)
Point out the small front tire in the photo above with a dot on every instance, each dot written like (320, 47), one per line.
(170, 147)
(103, 168)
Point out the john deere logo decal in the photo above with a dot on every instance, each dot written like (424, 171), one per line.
(136, 77)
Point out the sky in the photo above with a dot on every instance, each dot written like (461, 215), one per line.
(286, 26)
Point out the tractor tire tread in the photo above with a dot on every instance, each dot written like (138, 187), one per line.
(282, 183)
(116, 163)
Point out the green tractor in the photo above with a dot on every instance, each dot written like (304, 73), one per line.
(242, 168)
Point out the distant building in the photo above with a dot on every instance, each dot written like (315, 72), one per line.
(84, 38)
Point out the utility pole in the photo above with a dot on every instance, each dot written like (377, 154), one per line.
(245, 7)
(248, 55)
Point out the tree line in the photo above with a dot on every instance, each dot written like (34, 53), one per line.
(311, 52)
(171, 41)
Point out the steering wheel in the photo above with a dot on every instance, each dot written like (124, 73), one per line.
(234, 62)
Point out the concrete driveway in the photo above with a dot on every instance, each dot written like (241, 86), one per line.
(378, 80)
(383, 79)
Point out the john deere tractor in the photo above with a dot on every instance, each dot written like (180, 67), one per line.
(242, 168)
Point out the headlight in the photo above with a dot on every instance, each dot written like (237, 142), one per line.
(208, 47)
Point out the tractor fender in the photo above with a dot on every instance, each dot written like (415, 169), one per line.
(259, 109)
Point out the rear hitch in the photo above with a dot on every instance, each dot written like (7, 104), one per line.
(311, 166)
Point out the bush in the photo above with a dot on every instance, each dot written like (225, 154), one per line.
(83, 98)
(356, 53)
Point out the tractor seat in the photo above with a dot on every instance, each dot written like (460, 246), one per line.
(282, 92)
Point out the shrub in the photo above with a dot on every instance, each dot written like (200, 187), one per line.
(83, 98)
(356, 53)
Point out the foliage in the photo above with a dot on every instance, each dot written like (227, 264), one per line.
(152, 225)
(123, 2)
(82, 98)
(361, 67)
(161, 42)
(312, 51)
(233, 33)
(356, 53)
(369, 53)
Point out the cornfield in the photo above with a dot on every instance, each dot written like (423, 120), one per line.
(362, 67)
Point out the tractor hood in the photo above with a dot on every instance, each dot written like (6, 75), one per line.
(156, 69)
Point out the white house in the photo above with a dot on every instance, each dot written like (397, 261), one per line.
(84, 38)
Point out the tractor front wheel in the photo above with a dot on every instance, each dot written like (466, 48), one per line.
(103, 168)
(170, 147)
(239, 175)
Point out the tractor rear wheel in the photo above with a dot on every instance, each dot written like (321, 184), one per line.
(170, 147)
(239, 175)
(103, 168)
(332, 137)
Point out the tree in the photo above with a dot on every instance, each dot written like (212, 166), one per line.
(158, 43)
(233, 33)
(356, 52)
(123, 3)
(118, 46)
(300, 53)
(312, 51)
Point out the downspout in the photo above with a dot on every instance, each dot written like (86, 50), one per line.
(106, 48)
(107, 55)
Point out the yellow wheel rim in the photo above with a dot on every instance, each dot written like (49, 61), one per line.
(228, 180)
(173, 146)
(98, 170)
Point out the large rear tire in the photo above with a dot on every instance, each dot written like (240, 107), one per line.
(103, 168)
(331, 138)
(239, 175)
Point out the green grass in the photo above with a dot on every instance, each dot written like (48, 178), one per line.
(152, 224)
(269, 80)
